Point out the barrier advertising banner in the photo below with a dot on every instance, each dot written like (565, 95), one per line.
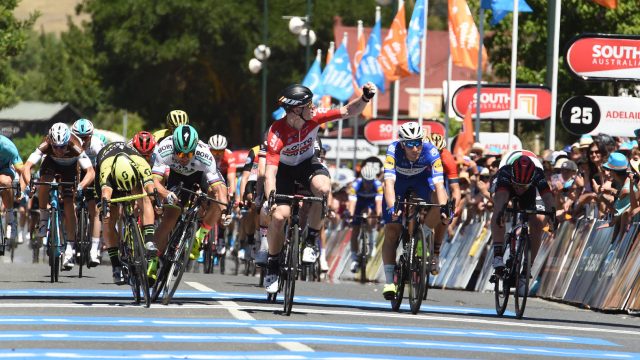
(604, 57)
(380, 132)
(533, 102)
(615, 116)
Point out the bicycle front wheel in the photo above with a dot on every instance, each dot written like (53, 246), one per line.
(291, 269)
(521, 275)
(139, 259)
(167, 259)
(417, 269)
(501, 284)
(363, 240)
(179, 262)
(82, 239)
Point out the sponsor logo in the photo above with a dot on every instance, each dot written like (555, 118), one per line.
(299, 148)
(434, 152)
(597, 57)
(389, 162)
(437, 166)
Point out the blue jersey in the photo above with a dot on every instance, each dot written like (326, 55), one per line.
(428, 166)
(8, 153)
(365, 190)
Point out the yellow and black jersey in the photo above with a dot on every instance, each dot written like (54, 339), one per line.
(161, 134)
(105, 160)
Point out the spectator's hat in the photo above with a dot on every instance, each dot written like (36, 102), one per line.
(494, 151)
(626, 146)
(616, 162)
(575, 145)
(634, 143)
(558, 155)
(637, 132)
(569, 165)
(585, 141)
(567, 149)
(463, 175)
(559, 162)
(485, 172)
(477, 150)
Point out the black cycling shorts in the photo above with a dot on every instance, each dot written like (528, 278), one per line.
(302, 173)
(67, 173)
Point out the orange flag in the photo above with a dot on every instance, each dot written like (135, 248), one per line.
(464, 36)
(465, 137)
(611, 4)
(393, 54)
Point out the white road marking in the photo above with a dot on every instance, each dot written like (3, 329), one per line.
(238, 312)
(302, 310)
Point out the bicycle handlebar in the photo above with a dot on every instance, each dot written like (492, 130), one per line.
(529, 211)
(199, 194)
(273, 197)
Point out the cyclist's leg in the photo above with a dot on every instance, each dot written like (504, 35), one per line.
(320, 185)
(96, 227)
(500, 199)
(216, 189)
(170, 213)
(110, 235)
(69, 174)
(6, 179)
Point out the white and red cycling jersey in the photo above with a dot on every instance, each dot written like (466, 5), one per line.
(289, 146)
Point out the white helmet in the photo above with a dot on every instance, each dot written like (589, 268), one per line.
(218, 142)
(410, 131)
(59, 134)
(368, 173)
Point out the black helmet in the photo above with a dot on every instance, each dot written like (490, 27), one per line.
(294, 95)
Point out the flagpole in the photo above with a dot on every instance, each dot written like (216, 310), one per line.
(479, 85)
(423, 58)
(339, 141)
(554, 76)
(396, 95)
(448, 99)
(514, 55)
(374, 107)
(355, 119)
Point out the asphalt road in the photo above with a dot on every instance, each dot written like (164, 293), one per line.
(224, 316)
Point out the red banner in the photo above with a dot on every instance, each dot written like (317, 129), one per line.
(532, 102)
(380, 132)
(604, 57)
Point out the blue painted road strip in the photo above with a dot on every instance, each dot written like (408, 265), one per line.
(210, 295)
(182, 337)
(316, 326)
(200, 355)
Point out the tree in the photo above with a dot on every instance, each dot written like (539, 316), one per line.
(11, 44)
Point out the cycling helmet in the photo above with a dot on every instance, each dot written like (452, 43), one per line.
(295, 95)
(438, 141)
(523, 169)
(411, 131)
(59, 134)
(218, 142)
(368, 173)
(82, 127)
(124, 173)
(144, 142)
(176, 118)
(185, 139)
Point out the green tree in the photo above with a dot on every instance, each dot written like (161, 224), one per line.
(11, 44)
(27, 144)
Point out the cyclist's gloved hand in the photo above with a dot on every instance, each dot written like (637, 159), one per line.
(368, 91)
(391, 211)
(445, 214)
(172, 198)
(79, 194)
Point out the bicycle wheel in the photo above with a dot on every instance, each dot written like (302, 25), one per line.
(179, 262)
(521, 274)
(139, 259)
(501, 284)
(291, 269)
(167, 259)
(83, 220)
(55, 245)
(208, 255)
(363, 240)
(417, 269)
(400, 273)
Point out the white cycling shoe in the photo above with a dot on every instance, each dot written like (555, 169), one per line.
(309, 255)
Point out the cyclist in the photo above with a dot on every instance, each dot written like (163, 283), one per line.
(62, 152)
(452, 186)
(83, 129)
(123, 171)
(251, 187)
(144, 142)
(365, 195)
(182, 158)
(224, 161)
(175, 118)
(291, 158)
(411, 163)
(521, 177)
(10, 162)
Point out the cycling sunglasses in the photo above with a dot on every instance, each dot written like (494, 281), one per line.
(181, 155)
(413, 143)
(59, 147)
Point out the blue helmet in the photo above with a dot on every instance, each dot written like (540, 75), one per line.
(82, 127)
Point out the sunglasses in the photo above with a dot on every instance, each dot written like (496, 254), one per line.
(181, 155)
(413, 143)
(59, 147)
(594, 152)
(217, 152)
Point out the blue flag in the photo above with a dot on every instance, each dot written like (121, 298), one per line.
(313, 80)
(414, 36)
(500, 8)
(369, 68)
(337, 76)
(278, 113)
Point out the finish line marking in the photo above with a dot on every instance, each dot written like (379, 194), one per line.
(237, 312)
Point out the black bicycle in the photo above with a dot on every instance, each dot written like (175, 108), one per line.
(414, 263)
(83, 232)
(290, 255)
(5, 241)
(517, 270)
(364, 243)
(176, 255)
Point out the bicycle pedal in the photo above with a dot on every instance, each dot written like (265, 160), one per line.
(493, 279)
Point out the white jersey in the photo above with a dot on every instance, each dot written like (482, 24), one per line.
(164, 160)
(94, 148)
